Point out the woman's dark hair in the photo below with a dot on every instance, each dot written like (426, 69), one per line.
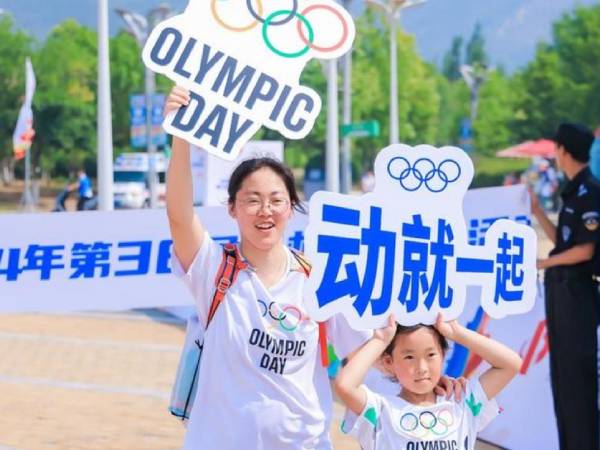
(252, 165)
(401, 329)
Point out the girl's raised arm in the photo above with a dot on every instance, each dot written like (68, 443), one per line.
(347, 383)
(505, 362)
(187, 231)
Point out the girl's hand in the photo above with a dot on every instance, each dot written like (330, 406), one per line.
(386, 333)
(447, 329)
(177, 98)
(448, 386)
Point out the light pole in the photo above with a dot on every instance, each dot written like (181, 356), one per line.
(332, 153)
(474, 76)
(393, 9)
(346, 181)
(104, 127)
(140, 27)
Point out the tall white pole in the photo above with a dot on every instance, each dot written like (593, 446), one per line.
(104, 129)
(346, 180)
(394, 135)
(346, 119)
(332, 157)
(150, 147)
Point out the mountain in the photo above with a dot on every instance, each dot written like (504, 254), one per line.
(512, 28)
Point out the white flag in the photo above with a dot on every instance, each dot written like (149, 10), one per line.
(24, 132)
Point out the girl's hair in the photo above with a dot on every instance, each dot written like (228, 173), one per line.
(250, 166)
(401, 329)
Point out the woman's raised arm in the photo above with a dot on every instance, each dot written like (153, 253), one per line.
(187, 231)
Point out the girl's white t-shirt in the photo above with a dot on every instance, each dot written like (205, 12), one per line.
(391, 423)
(261, 384)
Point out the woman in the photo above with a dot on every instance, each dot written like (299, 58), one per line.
(262, 384)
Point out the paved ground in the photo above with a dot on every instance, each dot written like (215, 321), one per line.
(93, 381)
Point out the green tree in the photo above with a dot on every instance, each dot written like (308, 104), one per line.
(66, 100)
(15, 46)
(563, 80)
(475, 50)
(127, 78)
(418, 94)
(540, 90)
(452, 60)
(496, 114)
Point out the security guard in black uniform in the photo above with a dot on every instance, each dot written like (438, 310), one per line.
(572, 299)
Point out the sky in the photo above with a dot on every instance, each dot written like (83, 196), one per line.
(512, 28)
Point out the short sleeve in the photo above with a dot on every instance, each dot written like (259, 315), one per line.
(588, 218)
(364, 426)
(343, 338)
(200, 276)
(479, 409)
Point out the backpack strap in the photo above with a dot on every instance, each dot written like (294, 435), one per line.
(305, 265)
(228, 271)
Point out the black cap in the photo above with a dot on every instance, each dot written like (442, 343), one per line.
(576, 139)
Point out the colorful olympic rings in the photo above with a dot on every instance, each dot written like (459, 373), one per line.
(289, 14)
(309, 43)
(292, 328)
(213, 8)
(311, 34)
(283, 21)
(282, 316)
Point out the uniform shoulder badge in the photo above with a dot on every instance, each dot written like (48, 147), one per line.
(591, 220)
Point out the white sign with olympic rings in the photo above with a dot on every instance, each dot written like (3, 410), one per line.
(404, 248)
(241, 61)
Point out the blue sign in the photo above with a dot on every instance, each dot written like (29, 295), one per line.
(137, 111)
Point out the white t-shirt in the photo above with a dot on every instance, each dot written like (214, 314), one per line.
(261, 384)
(391, 423)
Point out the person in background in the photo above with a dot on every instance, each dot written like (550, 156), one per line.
(83, 185)
(571, 291)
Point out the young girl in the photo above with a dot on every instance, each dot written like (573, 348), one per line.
(416, 418)
(261, 384)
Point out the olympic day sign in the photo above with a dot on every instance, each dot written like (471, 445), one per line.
(404, 248)
(241, 61)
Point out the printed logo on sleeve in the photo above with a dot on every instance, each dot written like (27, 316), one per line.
(591, 220)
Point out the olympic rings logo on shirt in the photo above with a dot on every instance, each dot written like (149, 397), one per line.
(427, 423)
(288, 318)
(423, 172)
(274, 19)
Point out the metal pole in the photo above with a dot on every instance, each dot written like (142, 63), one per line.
(332, 157)
(104, 130)
(394, 135)
(346, 175)
(151, 148)
(27, 203)
(346, 119)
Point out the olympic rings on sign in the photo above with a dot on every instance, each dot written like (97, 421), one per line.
(309, 41)
(268, 20)
(278, 22)
(423, 172)
(213, 8)
(303, 26)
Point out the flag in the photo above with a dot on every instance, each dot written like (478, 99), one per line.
(24, 132)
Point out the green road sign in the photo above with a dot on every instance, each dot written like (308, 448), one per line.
(369, 128)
